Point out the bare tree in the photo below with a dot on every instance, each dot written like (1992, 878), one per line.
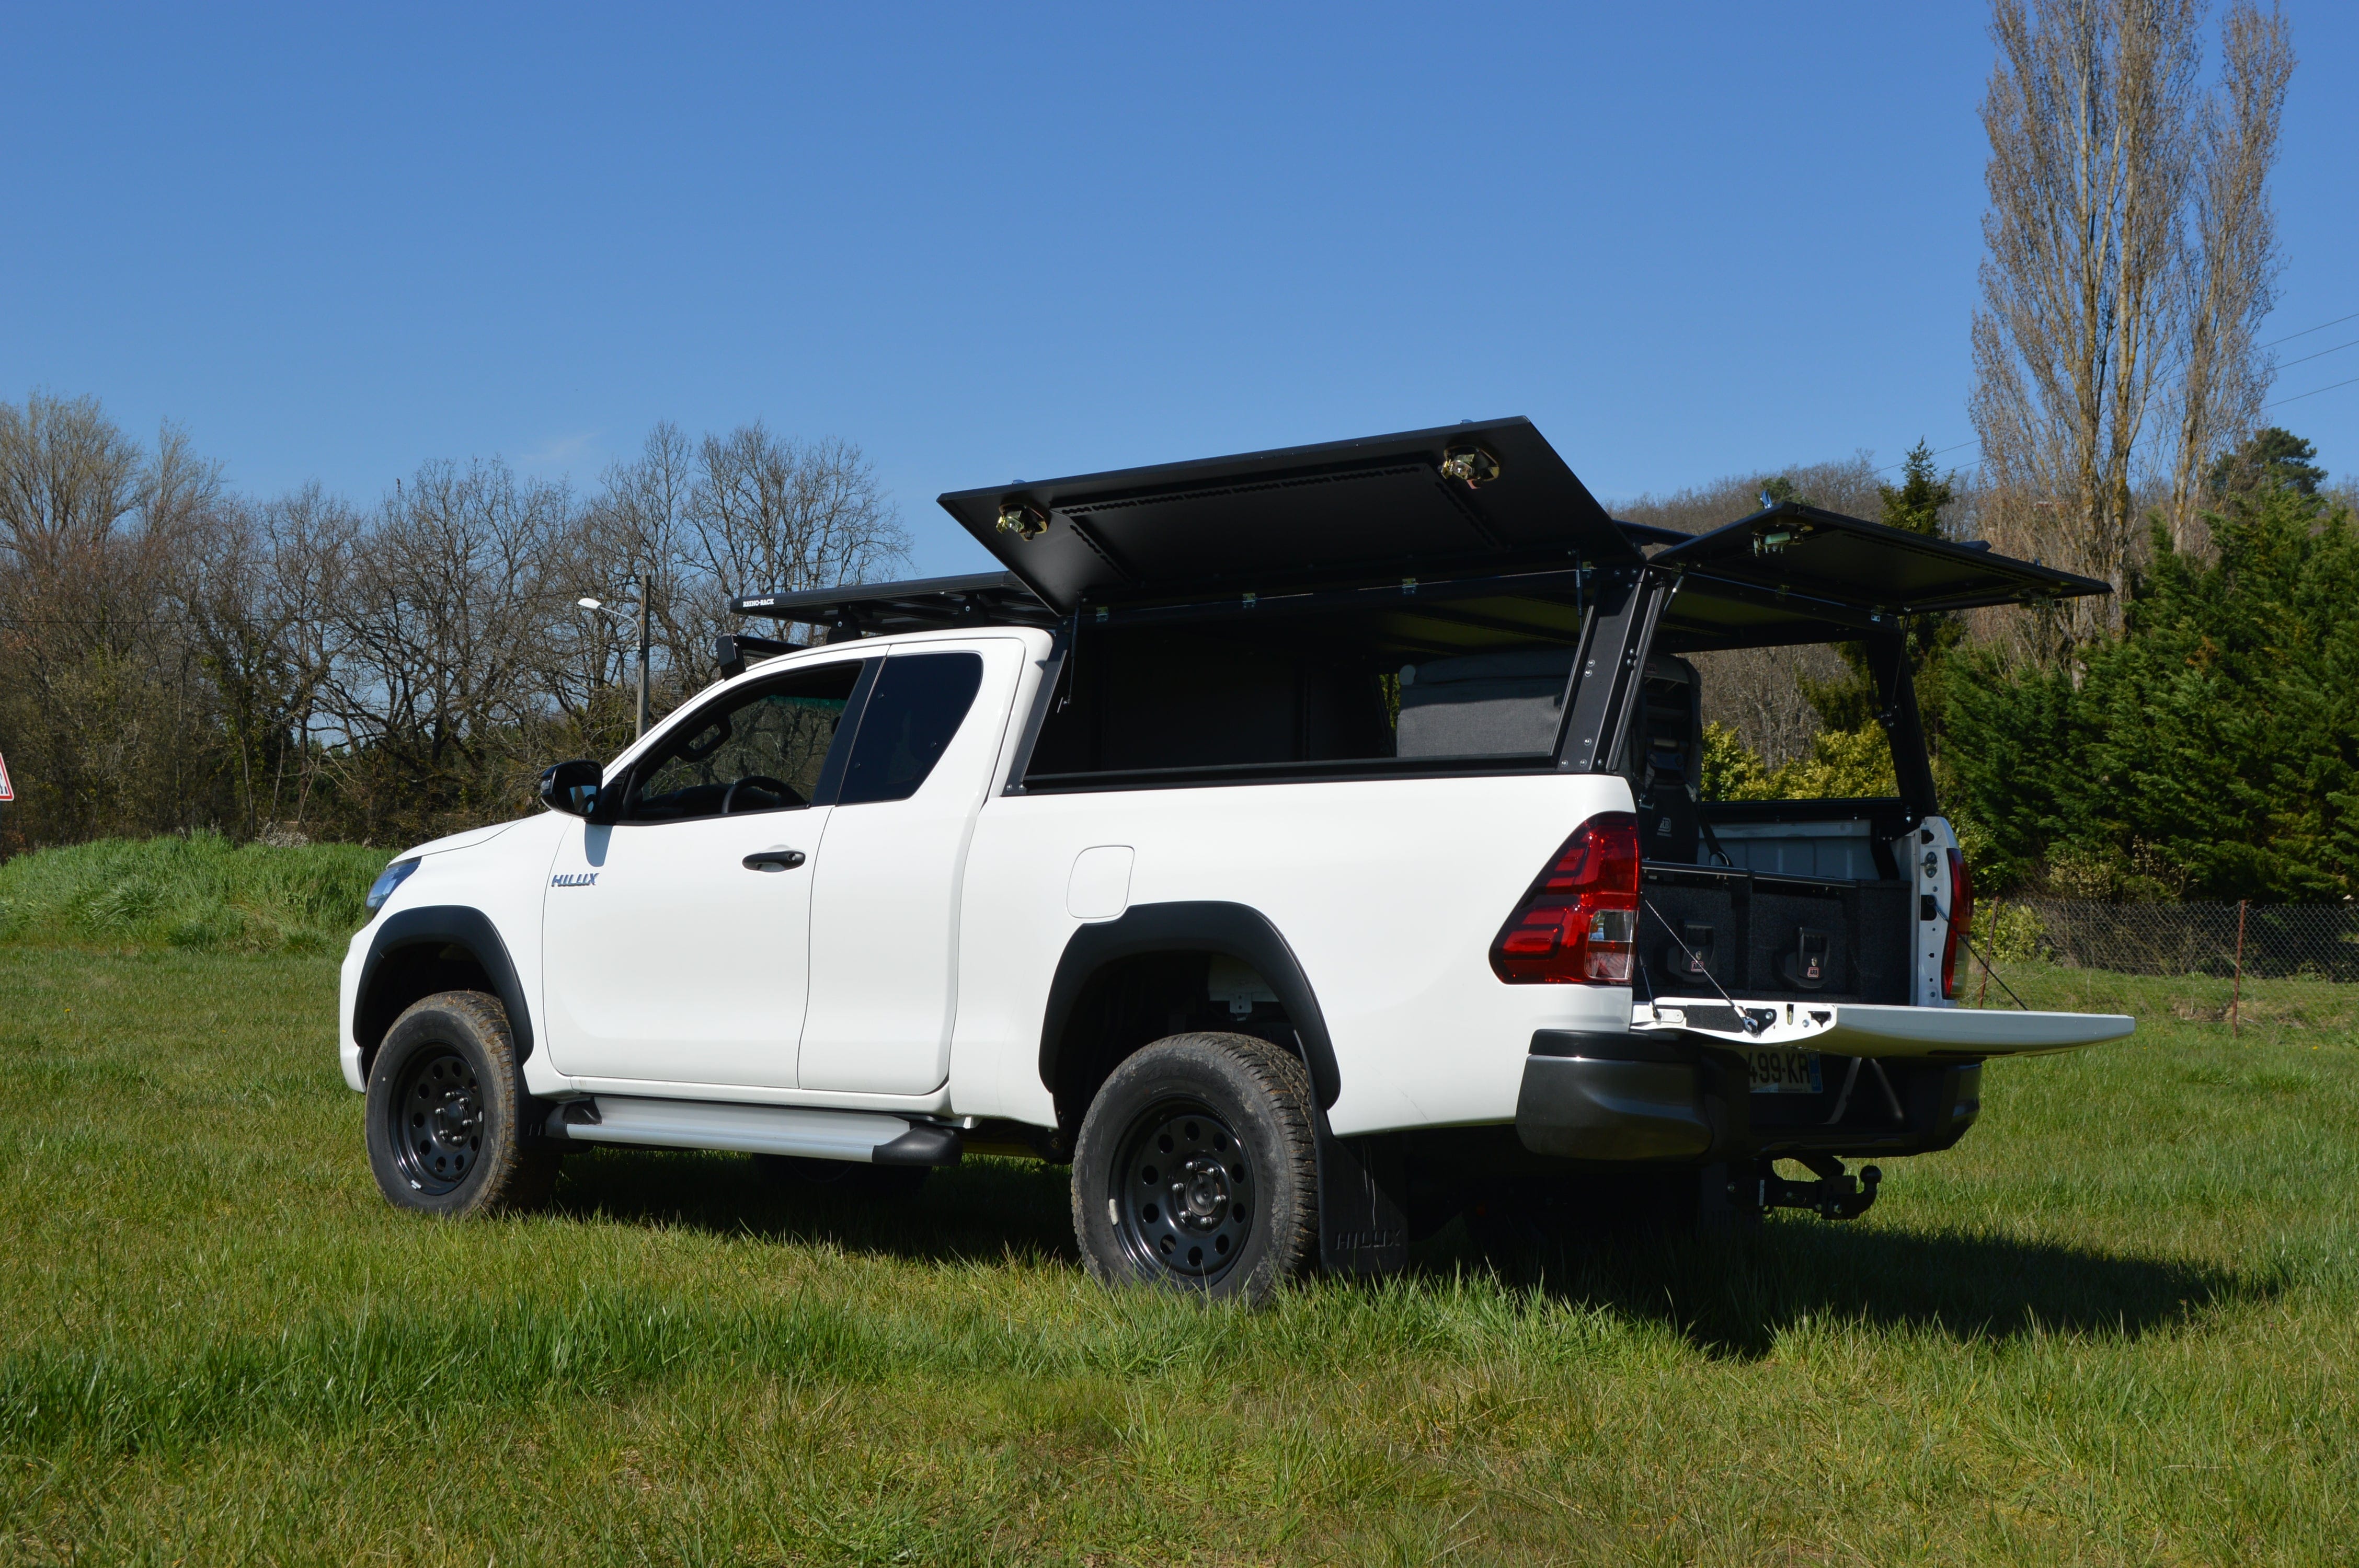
(105, 706)
(2129, 242)
(637, 523)
(2088, 113)
(261, 597)
(2229, 277)
(442, 627)
(786, 515)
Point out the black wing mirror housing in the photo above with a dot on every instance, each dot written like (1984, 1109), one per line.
(572, 787)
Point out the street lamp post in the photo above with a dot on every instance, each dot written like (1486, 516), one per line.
(635, 583)
(642, 657)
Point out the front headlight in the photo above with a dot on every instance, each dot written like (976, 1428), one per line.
(392, 876)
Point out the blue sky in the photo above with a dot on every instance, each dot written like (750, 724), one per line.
(1687, 239)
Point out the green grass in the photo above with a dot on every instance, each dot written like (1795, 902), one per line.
(198, 893)
(2117, 1324)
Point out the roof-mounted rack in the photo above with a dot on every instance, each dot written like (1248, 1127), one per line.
(869, 610)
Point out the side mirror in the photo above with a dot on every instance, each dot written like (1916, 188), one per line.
(572, 788)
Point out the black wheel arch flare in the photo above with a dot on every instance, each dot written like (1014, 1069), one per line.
(1228, 930)
(436, 927)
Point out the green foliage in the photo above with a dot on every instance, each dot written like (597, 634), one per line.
(1732, 770)
(2010, 933)
(1841, 765)
(199, 893)
(2212, 751)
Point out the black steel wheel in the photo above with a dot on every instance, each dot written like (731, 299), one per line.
(1194, 1169)
(450, 1129)
(438, 1112)
(1183, 1191)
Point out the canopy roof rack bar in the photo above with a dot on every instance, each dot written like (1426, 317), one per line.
(927, 604)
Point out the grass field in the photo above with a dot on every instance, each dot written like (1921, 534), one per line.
(2117, 1324)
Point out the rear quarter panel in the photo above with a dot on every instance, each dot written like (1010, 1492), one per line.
(1389, 891)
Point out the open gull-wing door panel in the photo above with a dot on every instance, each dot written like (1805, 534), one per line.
(1796, 574)
(1488, 498)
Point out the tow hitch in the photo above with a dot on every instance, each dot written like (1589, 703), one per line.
(1835, 1196)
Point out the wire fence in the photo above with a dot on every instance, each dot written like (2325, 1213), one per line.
(2249, 966)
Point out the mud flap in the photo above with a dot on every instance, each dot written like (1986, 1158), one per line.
(1362, 1202)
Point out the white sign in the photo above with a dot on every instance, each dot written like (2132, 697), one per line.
(7, 791)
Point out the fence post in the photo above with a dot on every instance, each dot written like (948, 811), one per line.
(2236, 995)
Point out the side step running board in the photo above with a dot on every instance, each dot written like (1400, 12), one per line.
(865, 1136)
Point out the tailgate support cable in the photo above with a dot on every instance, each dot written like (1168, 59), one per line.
(1977, 952)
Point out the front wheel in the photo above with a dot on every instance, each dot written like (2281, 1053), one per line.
(447, 1112)
(1195, 1169)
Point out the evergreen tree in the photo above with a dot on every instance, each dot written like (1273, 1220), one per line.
(1849, 704)
(2212, 750)
(2269, 458)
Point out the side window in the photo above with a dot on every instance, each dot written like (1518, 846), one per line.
(919, 702)
(763, 750)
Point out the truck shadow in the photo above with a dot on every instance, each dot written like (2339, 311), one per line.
(1728, 1296)
(983, 1210)
(1734, 1295)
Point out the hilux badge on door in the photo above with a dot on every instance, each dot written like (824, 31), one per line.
(574, 880)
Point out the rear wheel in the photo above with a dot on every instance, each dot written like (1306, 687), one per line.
(448, 1116)
(1194, 1169)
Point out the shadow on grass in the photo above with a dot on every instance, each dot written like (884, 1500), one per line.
(1734, 1295)
(981, 1210)
(1729, 1295)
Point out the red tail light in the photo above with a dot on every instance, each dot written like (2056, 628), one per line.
(1579, 925)
(1961, 920)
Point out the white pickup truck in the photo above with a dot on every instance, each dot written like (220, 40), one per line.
(1305, 844)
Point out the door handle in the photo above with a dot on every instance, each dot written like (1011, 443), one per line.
(774, 860)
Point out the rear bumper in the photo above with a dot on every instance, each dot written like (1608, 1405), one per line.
(1624, 1099)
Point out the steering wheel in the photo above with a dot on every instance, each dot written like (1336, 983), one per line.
(764, 781)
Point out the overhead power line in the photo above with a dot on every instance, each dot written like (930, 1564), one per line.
(2320, 355)
(2306, 332)
(1904, 463)
(2313, 392)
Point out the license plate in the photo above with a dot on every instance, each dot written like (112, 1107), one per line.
(1782, 1072)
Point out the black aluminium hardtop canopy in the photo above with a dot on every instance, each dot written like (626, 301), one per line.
(1793, 573)
(1480, 498)
(1463, 537)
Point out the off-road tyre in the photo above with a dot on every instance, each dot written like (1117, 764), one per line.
(451, 1130)
(849, 1178)
(1195, 1169)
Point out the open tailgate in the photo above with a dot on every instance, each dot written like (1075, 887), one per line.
(1868, 1028)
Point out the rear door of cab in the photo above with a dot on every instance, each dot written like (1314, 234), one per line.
(883, 931)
